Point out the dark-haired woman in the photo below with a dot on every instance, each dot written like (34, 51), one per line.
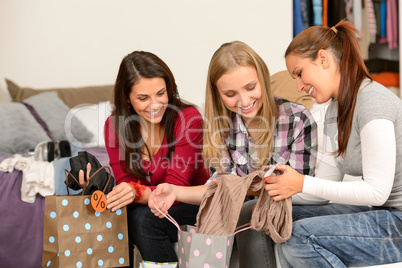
(363, 137)
(152, 137)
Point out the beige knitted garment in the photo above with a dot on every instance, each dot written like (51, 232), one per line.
(220, 208)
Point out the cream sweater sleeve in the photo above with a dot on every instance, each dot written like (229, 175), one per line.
(378, 158)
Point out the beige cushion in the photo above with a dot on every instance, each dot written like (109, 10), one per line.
(70, 96)
(284, 86)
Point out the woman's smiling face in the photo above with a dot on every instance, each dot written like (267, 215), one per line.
(320, 77)
(240, 91)
(149, 99)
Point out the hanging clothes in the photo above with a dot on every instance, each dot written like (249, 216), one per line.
(392, 24)
(364, 39)
(357, 15)
(298, 24)
(383, 21)
(306, 7)
(336, 12)
(377, 13)
(317, 9)
(325, 13)
(349, 10)
(371, 20)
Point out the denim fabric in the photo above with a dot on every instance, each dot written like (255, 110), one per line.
(255, 249)
(336, 235)
(154, 236)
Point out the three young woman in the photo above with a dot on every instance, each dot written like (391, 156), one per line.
(246, 128)
(363, 137)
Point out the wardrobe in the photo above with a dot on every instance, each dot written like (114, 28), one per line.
(377, 20)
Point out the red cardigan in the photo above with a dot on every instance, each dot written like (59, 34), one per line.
(184, 168)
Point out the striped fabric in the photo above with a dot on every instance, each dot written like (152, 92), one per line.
(371, 18)
(295, 142)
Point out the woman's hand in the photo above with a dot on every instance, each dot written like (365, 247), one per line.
(81, 178)
(163, 198)
(289, 183)
(120, 196)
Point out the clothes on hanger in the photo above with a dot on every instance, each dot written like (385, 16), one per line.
(377, 20)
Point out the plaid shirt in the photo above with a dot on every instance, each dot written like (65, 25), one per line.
(295, 142)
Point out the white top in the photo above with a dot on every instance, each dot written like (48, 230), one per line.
(374, 151)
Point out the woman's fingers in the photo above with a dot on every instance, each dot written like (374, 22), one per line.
(159, 208)
(121, 203)
(121, 195)
(271, 179)
(283, 186)
(278, 198)
(216, 181)
(157, 192)
(81, 178)
(281, 167)
(89, 166)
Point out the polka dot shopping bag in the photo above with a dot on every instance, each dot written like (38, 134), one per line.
(196, 250)
(203, 250)
(75, 235)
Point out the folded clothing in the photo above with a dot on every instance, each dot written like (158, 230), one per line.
(37, 176)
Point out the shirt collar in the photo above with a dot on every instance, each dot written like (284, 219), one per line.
(238, 125)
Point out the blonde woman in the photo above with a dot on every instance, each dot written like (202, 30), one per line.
(246, 128)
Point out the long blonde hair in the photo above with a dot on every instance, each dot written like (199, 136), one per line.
(218, 119)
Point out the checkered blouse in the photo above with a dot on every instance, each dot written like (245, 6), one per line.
(295, 142)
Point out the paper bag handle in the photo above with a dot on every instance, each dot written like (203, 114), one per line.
(242, 228)
(107, 183)
(170, 218)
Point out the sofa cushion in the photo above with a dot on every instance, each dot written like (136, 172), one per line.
(70, 96)
(20, 130)
(284, 86)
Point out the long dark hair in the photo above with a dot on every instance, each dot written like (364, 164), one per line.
(135, 66)
(341, 40)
